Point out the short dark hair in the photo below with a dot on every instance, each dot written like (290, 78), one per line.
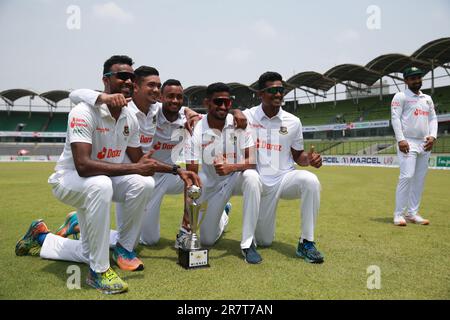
(121, 59)
(171, 82)
(268, 76)
(145, 71)
(217, 87)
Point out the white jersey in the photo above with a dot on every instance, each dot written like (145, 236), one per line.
(413, 116)
(168, 140)
(207, 145)
(274, 139)
(109, 138)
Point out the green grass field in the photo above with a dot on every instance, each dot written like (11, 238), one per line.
(354, 231)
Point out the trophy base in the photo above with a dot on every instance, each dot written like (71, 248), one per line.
(193, 259)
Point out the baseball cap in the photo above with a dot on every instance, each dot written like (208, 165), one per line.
(412, 71)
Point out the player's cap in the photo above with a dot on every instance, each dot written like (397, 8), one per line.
(412, 71)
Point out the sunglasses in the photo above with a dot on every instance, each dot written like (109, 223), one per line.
(122, 75)
(220, 101)
(274, 90)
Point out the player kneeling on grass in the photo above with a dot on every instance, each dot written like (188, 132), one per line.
(279, 143)
(90, 175)
(227, 168)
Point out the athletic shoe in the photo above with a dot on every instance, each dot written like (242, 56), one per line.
(127, 260)
(107, 282)
(399, 221)
(182, 240)
(251, 255)
(29, 244)
(228, 208)
(70, 226)
(308, 251)
(415, 218)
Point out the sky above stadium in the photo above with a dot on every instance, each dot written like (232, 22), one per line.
(58, 44)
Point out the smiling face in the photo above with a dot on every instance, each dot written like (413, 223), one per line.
(272, 95)
(148, 89)
(172, 98)
(219, 104)
(119, 80)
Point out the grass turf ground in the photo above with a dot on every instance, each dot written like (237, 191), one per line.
(354, 231)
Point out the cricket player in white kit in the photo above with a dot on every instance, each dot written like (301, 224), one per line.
(90, 175)
(415, 125)
(227, 168)
(279, 144)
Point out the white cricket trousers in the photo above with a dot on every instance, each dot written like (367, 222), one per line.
(92, 198)
(165, 184)
(296, 184)
(247, 184)
(413, 169)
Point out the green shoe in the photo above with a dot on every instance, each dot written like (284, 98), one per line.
(29, 245)
(69, 227)
(107, 282)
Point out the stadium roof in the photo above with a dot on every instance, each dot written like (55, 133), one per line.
(353, 72)
(311, 79)
(396, 63)
(243, 94)
(437, 51)
(55, 96)
(12, 95)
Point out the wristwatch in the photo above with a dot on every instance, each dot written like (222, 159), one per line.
(175, 169)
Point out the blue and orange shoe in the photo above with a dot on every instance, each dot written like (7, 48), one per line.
(127, 260)
(70, 226)
(29, 244)
(107, 282)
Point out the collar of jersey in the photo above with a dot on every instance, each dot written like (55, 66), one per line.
(229, 122)
(161, 118)
(261, 115)
(412, 94)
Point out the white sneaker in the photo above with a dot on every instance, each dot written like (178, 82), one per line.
(399, 221)
(415, 218)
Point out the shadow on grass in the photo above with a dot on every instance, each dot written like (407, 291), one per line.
(286, 249)
(384, 220)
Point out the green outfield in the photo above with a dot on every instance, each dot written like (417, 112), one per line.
(354, 231)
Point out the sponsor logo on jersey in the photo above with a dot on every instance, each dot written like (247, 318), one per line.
(77, 122)
(145, 139)
(262, 144)
(102, 130)
(256, 125)
(419, 112)
(395, 104)
(157, 146)
(108, 153)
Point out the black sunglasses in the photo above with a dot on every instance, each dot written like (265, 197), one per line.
(122, 75)
(220, 101)
(274, 90)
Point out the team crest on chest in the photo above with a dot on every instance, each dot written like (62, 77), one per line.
(283, 130)
(126, 131)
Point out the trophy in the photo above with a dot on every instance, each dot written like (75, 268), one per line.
(192, 255)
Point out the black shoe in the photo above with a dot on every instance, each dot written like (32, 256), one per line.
(251, 255)
(308, 251)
